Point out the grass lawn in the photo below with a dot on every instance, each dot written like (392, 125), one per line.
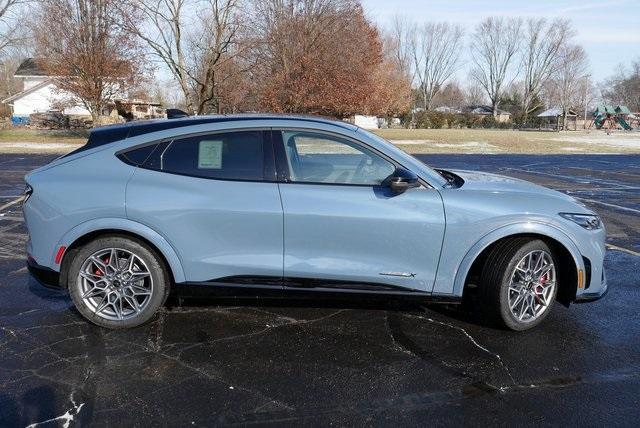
(20, 140)
(43, 136)
(509, 141)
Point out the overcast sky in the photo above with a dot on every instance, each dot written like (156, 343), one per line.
(609, 30)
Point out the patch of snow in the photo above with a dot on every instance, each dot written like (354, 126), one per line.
(480, 146)
(411, 142)
(34, 145)
(617, 140)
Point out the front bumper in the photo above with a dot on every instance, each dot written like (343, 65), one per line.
(44, 275)
(597, 295)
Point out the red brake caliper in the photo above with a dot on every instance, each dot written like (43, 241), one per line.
(98, 270)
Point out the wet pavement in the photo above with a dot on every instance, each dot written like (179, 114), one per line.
(227, 362)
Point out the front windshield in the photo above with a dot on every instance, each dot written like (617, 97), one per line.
(434, 177)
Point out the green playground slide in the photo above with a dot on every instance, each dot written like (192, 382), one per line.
(624, 124)
(599, 120)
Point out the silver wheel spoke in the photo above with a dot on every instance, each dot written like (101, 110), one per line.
(99, 264)
(139, 291)
(95, 291)
(103, 304)
(543, 270)
(131, 300)
(518, 300)
(135, 277)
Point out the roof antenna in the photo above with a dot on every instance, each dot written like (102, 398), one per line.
(174, 113)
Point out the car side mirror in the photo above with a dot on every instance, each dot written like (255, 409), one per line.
(401, 180)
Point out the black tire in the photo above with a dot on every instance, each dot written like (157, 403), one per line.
(496, 276)
(154, 263)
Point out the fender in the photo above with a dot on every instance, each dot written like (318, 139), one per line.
(169, 253)
(544, 229)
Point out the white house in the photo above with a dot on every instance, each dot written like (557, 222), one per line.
(39, 95)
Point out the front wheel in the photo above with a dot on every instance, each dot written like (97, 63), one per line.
(117, 282)
(518, 283)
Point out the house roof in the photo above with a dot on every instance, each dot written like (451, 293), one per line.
(446, 109)
(29, 67)
(555, 112)
(483, 109)
(27, 92)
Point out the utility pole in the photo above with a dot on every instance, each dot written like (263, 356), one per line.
(586, 92)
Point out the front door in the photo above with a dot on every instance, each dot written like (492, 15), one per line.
(343, 229)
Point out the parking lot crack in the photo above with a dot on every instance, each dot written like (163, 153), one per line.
(65, 418)
(473, 341)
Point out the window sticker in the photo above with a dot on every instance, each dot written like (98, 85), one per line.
(210, 154)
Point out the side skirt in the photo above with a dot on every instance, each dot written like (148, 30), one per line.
(267, 287)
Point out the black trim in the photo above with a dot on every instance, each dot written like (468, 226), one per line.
(587, 271)
(259, 280)
(307, 283)
(592, 297)
(47, 277)
(112, 133)
(270, 173)
(273, 286)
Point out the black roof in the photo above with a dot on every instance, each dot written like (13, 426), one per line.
(111, 133)
(29, 67)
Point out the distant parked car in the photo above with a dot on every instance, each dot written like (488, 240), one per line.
(276, 204)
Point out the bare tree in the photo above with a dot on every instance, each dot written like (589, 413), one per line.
(194, 39)
(435, 50)
(161, 26)
(474, 94)
(81, 44)
(495, 45)
(624, 87)
(12, 29)
(573, 66)
(399, 46)
(543, 41)
(212, 53)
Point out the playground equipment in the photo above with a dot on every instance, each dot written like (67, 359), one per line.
(608, 118)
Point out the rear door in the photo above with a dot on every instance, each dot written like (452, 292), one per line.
(215, 200)
(343, 230)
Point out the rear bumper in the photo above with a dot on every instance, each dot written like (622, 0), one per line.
(44, 275)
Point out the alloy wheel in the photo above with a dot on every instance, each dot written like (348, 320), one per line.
(532, 286)
(115, 284)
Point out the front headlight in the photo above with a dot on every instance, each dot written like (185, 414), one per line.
(588, 221)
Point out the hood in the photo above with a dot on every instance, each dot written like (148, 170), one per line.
(483, 181)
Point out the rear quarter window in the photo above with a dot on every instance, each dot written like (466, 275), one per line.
(137, 157)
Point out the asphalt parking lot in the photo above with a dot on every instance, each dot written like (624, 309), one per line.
(228, 362)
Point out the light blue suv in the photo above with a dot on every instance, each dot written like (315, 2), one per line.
(276, 204)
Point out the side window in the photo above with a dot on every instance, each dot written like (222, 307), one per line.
(232, 155)
(320, 158)
(137, 156)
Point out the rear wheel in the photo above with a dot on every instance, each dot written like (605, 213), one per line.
(518, 283)
(117, 282)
